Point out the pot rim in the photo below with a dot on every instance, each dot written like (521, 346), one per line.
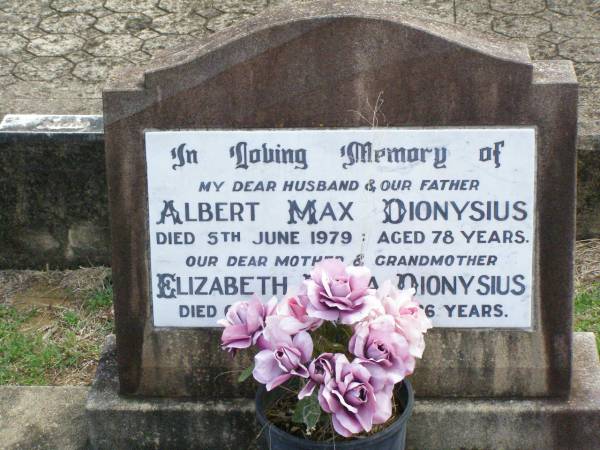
(356, 443)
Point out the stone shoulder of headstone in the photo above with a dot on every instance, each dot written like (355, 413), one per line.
(316, 65)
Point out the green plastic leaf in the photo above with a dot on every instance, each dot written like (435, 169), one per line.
(308, 412)
(332, 338)
(246, 373)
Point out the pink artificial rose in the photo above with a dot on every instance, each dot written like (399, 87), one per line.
(383, 351)
(282, 356)
(319, 369)
(337, 292)
(351, 400)
(294, 310)
(245, 322)
(410, 320)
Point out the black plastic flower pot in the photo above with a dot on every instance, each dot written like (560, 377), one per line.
(392, 437)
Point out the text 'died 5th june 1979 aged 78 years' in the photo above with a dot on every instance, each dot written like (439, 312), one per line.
(448, 211)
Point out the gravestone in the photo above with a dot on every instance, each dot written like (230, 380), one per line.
(53, 192)
(439, 158)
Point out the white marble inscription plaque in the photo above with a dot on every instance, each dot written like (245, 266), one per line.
(449, 211)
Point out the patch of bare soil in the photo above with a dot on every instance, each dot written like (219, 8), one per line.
(587, 263)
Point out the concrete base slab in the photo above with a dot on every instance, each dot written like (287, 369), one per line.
(122, 423)
(117, 422)
(517, 424)
(43, 417)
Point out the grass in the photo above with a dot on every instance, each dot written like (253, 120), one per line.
(587, 310)
(59, 342)
(100, 299)
(24, 358)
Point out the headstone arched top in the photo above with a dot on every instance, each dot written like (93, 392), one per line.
(323, 42)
